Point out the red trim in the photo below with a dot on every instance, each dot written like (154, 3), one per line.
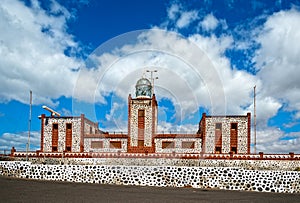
(202, 126)
(106, 135)
(148, 154)
(42, 131)
(82, 133)
(129, 120)
(154, 118)
(177, 136)
(249, 132)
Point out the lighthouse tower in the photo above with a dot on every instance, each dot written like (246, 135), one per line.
(142, 118)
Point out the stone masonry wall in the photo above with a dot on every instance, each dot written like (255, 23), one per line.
(178, 145)
(106, 145)
(279, 165)
(76, 126)
(228, 178)
(242, 133)
(134, 122)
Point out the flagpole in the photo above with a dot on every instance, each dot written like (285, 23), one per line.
(29, 127)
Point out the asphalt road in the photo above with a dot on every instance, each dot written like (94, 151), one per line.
(20, 190)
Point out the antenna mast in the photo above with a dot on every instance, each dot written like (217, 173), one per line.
(29, 127)
(255, 119)
(152, 80)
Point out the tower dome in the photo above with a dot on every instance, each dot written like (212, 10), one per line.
(143, 88)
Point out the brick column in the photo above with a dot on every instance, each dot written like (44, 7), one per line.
(129, 120)
(249, 132)
(203, 131)
(82, 133)
(154, 119)
(42, 131)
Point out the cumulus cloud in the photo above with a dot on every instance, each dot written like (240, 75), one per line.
(209, 23)
(193, 72)
(186, 18)
(166, 127)
(180, 17)
(19, 141)
(173, 11)
(278, 58)
(273, 140)
(277, 62)
(203, 75)
(237, 84)
(33, 52)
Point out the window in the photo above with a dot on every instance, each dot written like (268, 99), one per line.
(116, 144)
(141, 113)
(218, 126)
(97, 144)
(233, 126)
(218, 150)
(91, 130)
(141, 143)
(234, 150)
(168, 145)
(187, 145)
(218, 137)
(55, 126)
(69, 126)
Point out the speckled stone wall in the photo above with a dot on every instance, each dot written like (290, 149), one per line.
(136, 105)
(178, 145)
(226, 121)
(106, 145)
(88, 126)
(228, 178)
(62, 121)
(283, 165)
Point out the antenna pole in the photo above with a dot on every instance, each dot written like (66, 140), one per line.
(29, 127)
(254, 119)
(152, 79)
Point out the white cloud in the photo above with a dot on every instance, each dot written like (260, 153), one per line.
(278, 58)
(277, 62)
(166, 127)
(192, 72)
(209, 23)
(173, 11)
(266, 108)
(180, 17)
(186, 18)
(237, 84)
(273, 140)
(66, 112)
(32, 45)
(202, 73)
(19, 141)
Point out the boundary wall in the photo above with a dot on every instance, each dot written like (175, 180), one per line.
(281, 165)
(228, 178)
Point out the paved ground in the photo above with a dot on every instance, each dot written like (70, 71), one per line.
(20, 190)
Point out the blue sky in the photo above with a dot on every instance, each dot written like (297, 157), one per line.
(85, 57)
